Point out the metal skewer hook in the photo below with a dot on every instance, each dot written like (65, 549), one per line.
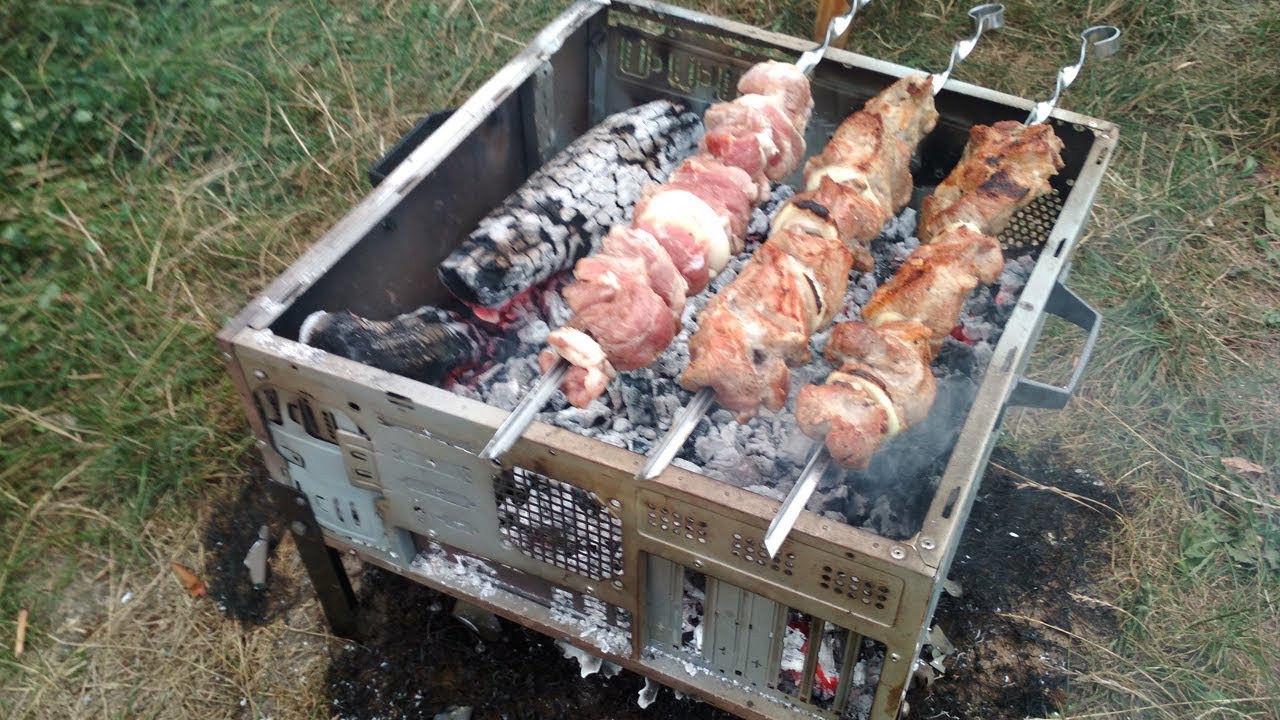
(1100, 42)
(988, 16)
(780, 528)
(514, 426)
(838, 26)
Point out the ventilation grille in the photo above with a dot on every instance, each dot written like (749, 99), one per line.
(1030, 228)
(268, 401)
(559, 524)
(321, 426)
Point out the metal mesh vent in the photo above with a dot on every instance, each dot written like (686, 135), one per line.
(1030, 227)
(559, 524)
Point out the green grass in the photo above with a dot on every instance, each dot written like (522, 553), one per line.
(163, 161)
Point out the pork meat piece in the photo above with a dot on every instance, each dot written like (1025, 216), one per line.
(693, 234)
(934, 281)
(728, 190)
(590, 370)
(845, 416)
(784, 80)
(1003, 169)
(614, 304)
(897, 354)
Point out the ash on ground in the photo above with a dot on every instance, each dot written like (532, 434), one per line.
(414, 660)
(231, 530)
(1028, 562)
(766, 454)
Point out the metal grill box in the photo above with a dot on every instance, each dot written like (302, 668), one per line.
(386, 468)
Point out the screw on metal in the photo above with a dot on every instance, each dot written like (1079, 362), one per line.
(988, 16)
(1100, 42)
(838, 26)
(298, 527)
(300, 501)
(260, 374)
(927, 543)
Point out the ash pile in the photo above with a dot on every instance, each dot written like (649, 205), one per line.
(767, 453)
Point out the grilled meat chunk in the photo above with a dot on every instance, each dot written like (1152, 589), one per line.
(934, 281)
(759, 325)
(698, 219)
(1003, 169)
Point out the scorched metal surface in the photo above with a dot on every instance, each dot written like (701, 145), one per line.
(386, 468)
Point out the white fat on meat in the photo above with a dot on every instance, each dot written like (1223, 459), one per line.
(690, 212)
(876, 392)
(581, 350)
(791, 217)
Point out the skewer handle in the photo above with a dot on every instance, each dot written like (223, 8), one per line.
(681, 427)
(1101, 42)
(520, 418)
(988, 16)
(838, 26)
(800, 493)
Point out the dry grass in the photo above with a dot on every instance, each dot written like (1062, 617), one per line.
(223, 139)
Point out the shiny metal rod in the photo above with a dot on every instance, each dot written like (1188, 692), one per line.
(1100, 42)
(683, 424)
(780, 528)
(838, 26)
(518, 421)
(988, 16)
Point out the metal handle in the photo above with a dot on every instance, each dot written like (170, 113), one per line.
(989, 16)
(1064, 303)
(1100, 42)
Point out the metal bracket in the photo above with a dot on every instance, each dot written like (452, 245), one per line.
(1064, 303)
(323, 563)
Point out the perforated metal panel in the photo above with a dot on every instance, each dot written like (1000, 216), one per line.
(1030, 228)
(559, 524)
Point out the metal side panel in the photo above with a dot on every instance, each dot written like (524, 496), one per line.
(739, 635)
(663, 608)
(318, 470)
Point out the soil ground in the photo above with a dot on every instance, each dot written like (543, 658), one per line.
(1037, 535)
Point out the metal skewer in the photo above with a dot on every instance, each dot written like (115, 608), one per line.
(838, 26)
(817, 464)
(520, 418)
(1100, 41)
(514, 426)
(989, 16)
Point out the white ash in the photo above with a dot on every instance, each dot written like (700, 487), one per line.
(766, 454)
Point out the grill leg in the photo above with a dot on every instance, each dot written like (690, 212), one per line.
(894, 677)
(323, 563)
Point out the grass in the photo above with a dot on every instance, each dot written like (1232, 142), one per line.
(162, 161)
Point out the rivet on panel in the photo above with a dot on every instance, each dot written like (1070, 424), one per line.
(697, 563)
(927, 543)
(894, 657)
(897, 553)
(298, 527)
(617, 584)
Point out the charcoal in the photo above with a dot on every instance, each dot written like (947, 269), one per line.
(426, 344)
(562, 211)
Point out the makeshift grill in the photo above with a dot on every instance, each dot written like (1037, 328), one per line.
(557, 534)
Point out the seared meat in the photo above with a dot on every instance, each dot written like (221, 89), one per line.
(625, 315)
(1004, 167)
(934, 281)
(759, 325)
(884, 363)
